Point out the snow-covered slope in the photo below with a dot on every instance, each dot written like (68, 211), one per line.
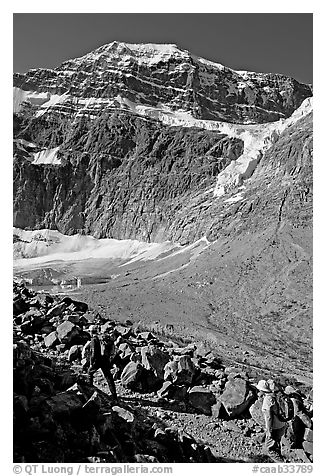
(257, 140)
(44, 246)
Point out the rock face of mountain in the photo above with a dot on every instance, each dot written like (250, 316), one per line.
(117, 143)
(120, 75)
(121, 176)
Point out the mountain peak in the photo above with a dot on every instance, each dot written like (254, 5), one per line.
(149, 53)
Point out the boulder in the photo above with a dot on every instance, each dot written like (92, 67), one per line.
(256, 413)
(140, 458)
(124, 331)
(236, 397)
(308, 435)
(233, 375)
(22, 354)
(186, 371)
(20, 406)
(131, 376)
(308, 447)
(166, 390)
(51, 339)
(64, 403)
(170, 370)
(67, 332)
(56, 310)
(202, 399)
(145, 336)
(104, 423)
(301, 455)
(213, 361)
(90, 317)
(107, 326)
(42, 300)
(20, 306)
(78, 306)
(125, 350)
(153, 358)
(76, 319)
(65, 380)
(123, 415)
(91, 408)
(231, 426)
(61, 347)
(216, 409)
(35, 315)
(27, 327)
(150, 382)
(74, 353)
(179, 393)
(47, 329)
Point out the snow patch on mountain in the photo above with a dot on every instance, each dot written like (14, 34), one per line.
(47, 156)
(53, 100)
(143, 53)
(42, 246)
(33, 97)
(257, 140)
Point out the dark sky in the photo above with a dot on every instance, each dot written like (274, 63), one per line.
(270, 42)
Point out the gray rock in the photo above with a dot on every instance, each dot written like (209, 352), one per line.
(153, 358)
(124, 331)
(256, 413)
(216, 409)
(170, 370)
(236, 397)
(64, 403)
(123, 414)
(140, 458)
(308, 435)
(107, 326)
(301, 455)
(166, 390)
(131, 376)
(308, 447)
(186, 371)
(56, 310)
(74, 353)
(51, 340)
(125, 350)
(20, 306)
(47, 329)
(202, 399)
(67, 331)
(179, 393)
(145, 335)
(231, 426)
(105, 423)
(92, 407)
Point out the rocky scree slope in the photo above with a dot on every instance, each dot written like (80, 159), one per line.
(176, 403)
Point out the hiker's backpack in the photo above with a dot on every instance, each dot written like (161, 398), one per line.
(285, 406)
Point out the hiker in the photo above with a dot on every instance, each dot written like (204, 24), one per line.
(102, 352)
(298, 406)
(274, 425)
(294, 434)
